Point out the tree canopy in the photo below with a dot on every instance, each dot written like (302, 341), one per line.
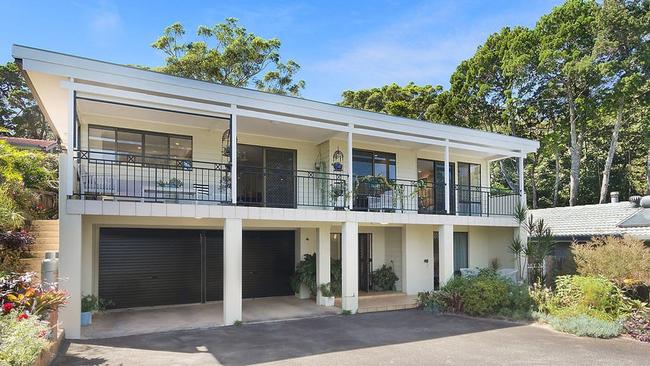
(228, 54)
(578, 82)
(19, 113)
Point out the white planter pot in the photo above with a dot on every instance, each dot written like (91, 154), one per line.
(327, 301)
(304, 292)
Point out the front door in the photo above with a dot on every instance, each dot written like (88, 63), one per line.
(365, 261)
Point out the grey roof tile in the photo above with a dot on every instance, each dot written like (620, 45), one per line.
(592, 220)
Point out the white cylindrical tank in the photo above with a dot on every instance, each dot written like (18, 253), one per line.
(50, 268)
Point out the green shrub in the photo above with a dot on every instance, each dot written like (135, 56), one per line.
(21, 339)
(593, 296)
(305, 274)
(585, 326)
(625, 261)
(482, 295)
(10, 216)
(383, 279)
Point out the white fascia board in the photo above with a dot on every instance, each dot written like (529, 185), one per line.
(123, 96)
(125, 76)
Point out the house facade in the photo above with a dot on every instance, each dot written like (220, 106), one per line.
(176, 191)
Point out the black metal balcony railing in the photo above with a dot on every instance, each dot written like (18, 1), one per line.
(268, 187)
(485, 201)
(154, 179)
(157, 179)
(372, 193)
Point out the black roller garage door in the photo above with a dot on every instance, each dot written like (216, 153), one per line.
(149, 267)
(267, 263)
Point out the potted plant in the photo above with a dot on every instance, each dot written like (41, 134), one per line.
(337, 190)
(171, 183)
(327, 295)
(89, 305)
(384, 278)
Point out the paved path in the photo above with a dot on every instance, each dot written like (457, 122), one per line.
(410, 337)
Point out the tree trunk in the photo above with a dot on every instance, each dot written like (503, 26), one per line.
(575, 150)
(502, 169)
(533, 180)
(556, 185)
(647, 174)
(612, 151)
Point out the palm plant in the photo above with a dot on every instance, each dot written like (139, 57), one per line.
(531, 252)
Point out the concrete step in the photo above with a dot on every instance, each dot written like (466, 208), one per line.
(390, 307)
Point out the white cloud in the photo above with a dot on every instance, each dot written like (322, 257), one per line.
(104, 21)
(423, 45)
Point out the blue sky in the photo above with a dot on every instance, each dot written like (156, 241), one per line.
(339, 44)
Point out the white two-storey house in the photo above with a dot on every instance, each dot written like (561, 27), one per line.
(177, 191)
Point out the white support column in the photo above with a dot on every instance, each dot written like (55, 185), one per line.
(522, 191)
(233, 154)
(446, 250)
(350, 266)
(447, 187)
(70, 273)
(350, 176)
(322, 261)
(232, 271)
(69, 144)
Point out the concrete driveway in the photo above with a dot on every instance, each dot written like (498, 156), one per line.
(400, 337)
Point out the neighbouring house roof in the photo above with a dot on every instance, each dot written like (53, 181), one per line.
(621, 218)
(20, 142)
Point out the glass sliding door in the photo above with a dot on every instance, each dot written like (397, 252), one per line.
(266, 176)
(469, 189)
(369, 193)
(432, 199)
(280, 185)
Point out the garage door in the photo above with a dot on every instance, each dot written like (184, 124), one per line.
(267, 263)
(150, 267)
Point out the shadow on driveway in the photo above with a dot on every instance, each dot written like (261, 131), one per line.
(265, 342)
(399, 337)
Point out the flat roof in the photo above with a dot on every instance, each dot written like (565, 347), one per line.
(80, 67)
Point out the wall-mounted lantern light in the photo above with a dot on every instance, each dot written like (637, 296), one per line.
(337, 160)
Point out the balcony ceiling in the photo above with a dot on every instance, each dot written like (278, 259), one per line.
(89, 110)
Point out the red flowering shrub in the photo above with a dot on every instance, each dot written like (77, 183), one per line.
(23, 294)
(7, 307)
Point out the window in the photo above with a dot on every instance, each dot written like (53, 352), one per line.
(469, 188)
(139, 146)
(461, 252)
(373, 163)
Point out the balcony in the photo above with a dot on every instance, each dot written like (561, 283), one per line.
(124, 177)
